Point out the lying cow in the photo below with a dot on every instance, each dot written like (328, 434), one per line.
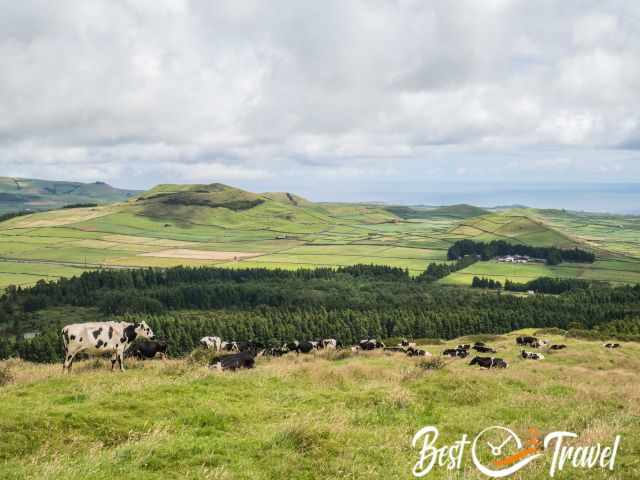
(211, 343)
(483, 349)
(455, 352)
(466, 346)
(102, 337)
(531, 355)
(489, 362)
(558, 347)
(370, 344)
(234, 361)
(611, 345)
(416, 352)
(526, 340)
(149, 349)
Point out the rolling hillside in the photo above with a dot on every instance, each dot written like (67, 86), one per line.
(220, 225)
(18, 194)
(324, 416)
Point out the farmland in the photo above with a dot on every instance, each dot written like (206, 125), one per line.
(224, 226)
(319, 416)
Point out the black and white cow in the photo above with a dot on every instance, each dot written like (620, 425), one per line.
(466, 346)
(328, 343)
(456, 352)
(148, 349)
(102, 337)
(417, 352)
(489, 362)
(235, 361)
(558, 347)
(531, 355)
(370, 344)
(611, 345)
(306, 347)
(483, 349)
(211, 343)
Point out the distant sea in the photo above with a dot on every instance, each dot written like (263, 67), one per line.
(623, 198)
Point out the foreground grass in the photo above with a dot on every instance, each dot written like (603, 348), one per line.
(307, 417)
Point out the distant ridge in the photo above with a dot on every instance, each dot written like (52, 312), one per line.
(457, 211)
(19, 194)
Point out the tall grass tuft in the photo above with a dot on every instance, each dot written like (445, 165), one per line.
(6, 375)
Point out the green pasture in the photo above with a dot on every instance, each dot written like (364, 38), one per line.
(324, 416)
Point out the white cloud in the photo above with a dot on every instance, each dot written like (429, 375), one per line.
(170, 90)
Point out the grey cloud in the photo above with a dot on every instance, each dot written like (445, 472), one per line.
(143, 91)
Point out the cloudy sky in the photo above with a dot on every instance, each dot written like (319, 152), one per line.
(327, 98)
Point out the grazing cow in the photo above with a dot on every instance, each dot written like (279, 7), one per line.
(558, 347)
(466, 346)
(329, 343)
(229, 347)
(306, 347)
(370, 344)
(455, 352)
(532, 355)
(489, 362)
(483, 349)
(416, 352)
(102, 337)
(532, 342)
(276, 351)
(234, 361)
(611, 345)
(149, 349)
(211, 343)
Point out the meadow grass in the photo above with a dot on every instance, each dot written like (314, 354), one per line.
(330, 415)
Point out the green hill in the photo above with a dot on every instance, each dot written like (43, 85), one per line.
(323, 416)
(17, 194)
(221, 225)
(450, 211)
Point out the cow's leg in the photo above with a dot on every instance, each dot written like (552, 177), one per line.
(121, 360)
(114, 357)
(68, 361)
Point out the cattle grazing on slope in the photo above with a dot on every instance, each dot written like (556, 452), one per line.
(455, 352)
(148, 349)
(211, 343)
(558, 347)
(328, 343)
(416, 352)
(466, 346)
(234, 361)
(489, 362)
(483, 349)
(306, 347)
(531, 355)
(370, 344)
(102, 337)
(611, 345)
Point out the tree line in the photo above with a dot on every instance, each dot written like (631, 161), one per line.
(499, 248)
(183, 304)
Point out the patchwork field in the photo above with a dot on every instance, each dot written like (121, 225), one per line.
(219, 225)
(323, 416)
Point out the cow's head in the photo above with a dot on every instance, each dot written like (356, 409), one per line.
(143, 330)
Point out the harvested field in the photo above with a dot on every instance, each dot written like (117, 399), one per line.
(200, 254)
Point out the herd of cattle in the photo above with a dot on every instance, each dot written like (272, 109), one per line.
(118, 338)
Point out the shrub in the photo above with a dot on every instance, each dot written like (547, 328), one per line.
(6, 375)
(431, 363)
